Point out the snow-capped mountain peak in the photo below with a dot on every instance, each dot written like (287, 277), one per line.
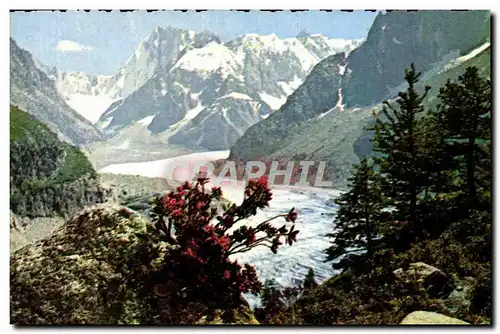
(186, 83)
(90, 95)
(212, 58)
(210, 94)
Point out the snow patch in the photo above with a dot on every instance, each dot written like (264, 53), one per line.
(339, 45)
(163, 86)
(192, 113)
(339, 103)
(285, 87)
(123, 146)
(147, 120)
(273, 102)
(289, 87)
(397, 41)
(89, 106)
(466, 57)
(213, 57)
(342, 69)
(105, 123)
(295, 83)
(325, 113)
(239, 96)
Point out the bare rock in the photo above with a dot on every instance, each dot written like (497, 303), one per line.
(88, 271)
(433, 279)
(430, 318)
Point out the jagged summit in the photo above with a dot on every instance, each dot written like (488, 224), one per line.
(175, 74)
(188, 97)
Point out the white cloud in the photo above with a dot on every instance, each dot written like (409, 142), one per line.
(72, 46)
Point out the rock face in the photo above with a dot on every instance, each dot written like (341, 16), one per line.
(462, 294)
(161, 48)
(433, 279)
(430, 318)
(399, 38)
(91, 94)
(86, 272)
(324, 119)
(315, 95)
(33, 91)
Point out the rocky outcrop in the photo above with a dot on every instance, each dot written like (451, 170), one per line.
(97, 268)
(455, 294)
(430, 318)
(87, 272)
(462, 295)
(433, 279)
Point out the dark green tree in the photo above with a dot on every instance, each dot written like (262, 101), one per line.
(309, 281)
(270, 293)
(357, 221)
(396, 146)
(276, 300)
(465, 113)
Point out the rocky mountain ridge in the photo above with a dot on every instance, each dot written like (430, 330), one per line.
(33, 91)
(324, 118)
(183, 86)
(221, 88)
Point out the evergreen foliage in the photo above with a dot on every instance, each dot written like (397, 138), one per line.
(434, 183)
(397, 146)
(47, 177)
(357, 223)
(466, 117)
(310, 281)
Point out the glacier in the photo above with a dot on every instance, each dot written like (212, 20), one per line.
(316, 211)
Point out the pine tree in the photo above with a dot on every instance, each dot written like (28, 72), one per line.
(466, 115)
(357, 221)
(309, 281)
(396, 143)
(270, 293)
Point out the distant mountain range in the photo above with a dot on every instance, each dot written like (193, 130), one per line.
(190, 89)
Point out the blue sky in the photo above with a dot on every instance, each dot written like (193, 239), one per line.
(99, 42)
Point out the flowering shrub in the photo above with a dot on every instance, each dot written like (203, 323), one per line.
(200, 266)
